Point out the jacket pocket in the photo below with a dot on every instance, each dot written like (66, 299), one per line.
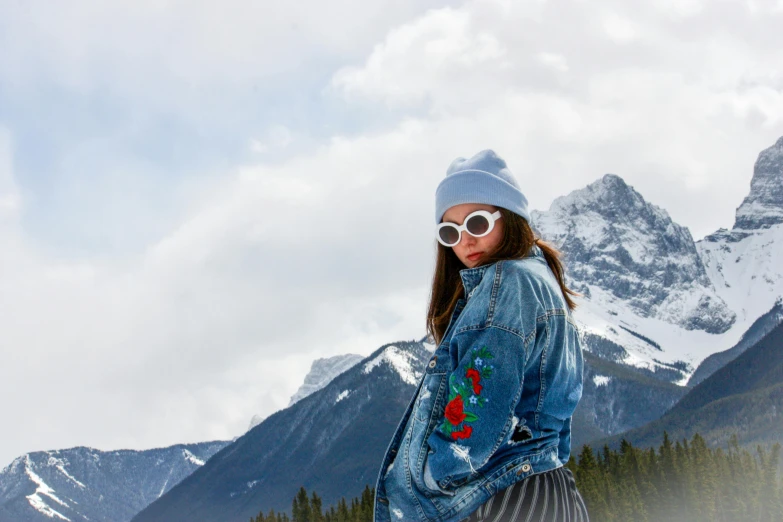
(431, 483)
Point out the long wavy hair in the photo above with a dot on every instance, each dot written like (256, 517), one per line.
(518, 239)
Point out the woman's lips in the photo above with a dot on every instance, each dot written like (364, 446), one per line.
(474, 256)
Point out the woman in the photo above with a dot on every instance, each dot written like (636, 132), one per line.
(488, 431)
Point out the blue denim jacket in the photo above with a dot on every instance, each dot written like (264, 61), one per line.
(496, 399)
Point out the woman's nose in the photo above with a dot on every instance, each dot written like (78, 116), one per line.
(467, 239)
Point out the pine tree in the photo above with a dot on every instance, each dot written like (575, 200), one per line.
(315, 508)
(589, 476)
(300, 507)
(342, 511)
(367, 501)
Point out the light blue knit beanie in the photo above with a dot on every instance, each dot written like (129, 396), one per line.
(484, 178)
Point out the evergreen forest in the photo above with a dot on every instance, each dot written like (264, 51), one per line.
(684, 481)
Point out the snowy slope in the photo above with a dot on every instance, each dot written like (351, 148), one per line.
(650, 343)
(331, 441)
(746, 263)
(746, 267)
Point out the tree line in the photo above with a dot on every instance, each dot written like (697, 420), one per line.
(681, 482)
(685, 481)
(308, 508)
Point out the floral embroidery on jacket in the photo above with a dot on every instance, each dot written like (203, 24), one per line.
(465, 395)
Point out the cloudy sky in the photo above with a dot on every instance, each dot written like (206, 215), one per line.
(199, 198)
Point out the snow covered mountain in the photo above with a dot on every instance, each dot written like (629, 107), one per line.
(322, 372)
(632, 250)
(746, 262)
(330, 441)
(760, 328)
(85, 484)
(740, 399)
(666, 301)
(763, 207)
(333, 440)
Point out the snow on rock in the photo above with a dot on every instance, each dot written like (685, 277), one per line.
(60, 465)
(399, 360)
(36, 499)
(601, 380)
(192, 458)
(343, 395)
(39, 505)
(763, 207)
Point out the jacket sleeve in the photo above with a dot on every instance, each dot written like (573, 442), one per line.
(484, 388)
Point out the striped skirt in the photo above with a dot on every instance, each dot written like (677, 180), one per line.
(544, 497)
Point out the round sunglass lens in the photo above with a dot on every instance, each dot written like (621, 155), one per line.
(477, 225)
(449, 235)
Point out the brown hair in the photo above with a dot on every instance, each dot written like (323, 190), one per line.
(518, 239)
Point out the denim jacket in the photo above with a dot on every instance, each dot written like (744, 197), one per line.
(494, 405)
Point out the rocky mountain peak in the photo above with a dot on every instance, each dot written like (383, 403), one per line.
(763, 207)
(615, 240)
(614, 181)
(322, 372)
(611, 196)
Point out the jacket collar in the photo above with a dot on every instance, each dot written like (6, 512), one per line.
(471, 277)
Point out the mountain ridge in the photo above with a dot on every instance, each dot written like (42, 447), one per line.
(81, 483)
(743, 398)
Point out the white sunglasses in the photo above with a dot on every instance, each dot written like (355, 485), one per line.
(477, 224)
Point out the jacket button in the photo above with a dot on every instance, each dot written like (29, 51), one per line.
(524, 469)
(432, 364)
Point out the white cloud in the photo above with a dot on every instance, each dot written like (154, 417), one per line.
(619, 28)
(220, 319)
(10, 199)
(415, 61)
(554, 60)
(680, 9)
(83, 41)
(570, 104)
(277, 137)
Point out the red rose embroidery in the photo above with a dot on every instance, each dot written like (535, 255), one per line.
(454, 412)
(464, 433)
(474, 376)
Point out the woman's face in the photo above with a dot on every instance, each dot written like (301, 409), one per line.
(470, 250)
